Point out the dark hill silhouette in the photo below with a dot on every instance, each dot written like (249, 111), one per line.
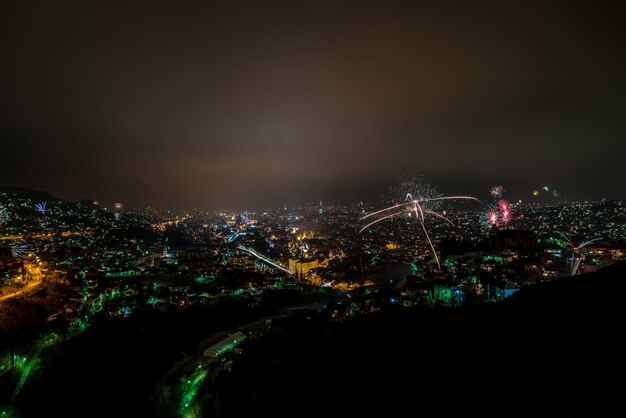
(554, 350)
(551, 350)
(26, 193)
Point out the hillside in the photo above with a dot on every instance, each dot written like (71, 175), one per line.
(26, 193)
(552, 350)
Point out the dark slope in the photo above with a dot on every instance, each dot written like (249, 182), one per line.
(553, 349)
(26, 193)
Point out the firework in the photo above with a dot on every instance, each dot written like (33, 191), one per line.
(577, 254)
(20, 251)
(492, 217)
(41, 206)
(496, 192)
(415, 185)
(498, 215)
(547, 190)
(504, 208)
(420, 207)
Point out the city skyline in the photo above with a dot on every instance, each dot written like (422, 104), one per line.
(285, 208)
(222, 107)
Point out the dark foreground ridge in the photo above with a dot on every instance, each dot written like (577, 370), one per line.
(554, 349)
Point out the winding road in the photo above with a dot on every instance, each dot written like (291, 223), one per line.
(25, 291)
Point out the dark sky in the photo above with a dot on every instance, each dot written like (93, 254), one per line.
(232, 105)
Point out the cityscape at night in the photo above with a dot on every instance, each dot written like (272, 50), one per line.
(312, 209)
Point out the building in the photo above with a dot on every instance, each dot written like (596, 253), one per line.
(512, 239)
(225, 345)
(299, 267)
(510, 288)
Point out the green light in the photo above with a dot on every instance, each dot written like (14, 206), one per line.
(204, 279)
(192, 389)
(25, 368)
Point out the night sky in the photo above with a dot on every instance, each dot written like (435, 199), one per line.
(227, 105)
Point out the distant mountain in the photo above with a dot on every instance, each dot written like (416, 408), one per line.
(26, 193)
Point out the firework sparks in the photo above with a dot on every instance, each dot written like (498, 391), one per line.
(20, 251)
(577, 253)
(492, 217)
(496, 192)
(505, 212)
(420, 207)
(498, 215)
(41, 206)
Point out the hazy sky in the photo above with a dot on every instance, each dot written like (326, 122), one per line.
(233, 104)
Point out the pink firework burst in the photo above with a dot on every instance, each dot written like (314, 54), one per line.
(492, 217)
(499, 215)
(504, 208)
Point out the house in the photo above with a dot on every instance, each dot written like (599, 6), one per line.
(510, 288)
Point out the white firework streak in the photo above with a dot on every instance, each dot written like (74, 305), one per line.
(416, 206)
(20, 251)
(439, 215)
(576, 249)
(378, 220)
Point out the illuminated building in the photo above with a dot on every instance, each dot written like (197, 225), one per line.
(510, 288)
(165, 253)
(300, 267)
(225, 345)
(512, 239)
(242, 261)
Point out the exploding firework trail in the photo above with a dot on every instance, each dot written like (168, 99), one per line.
(20, 251)
(415, 206)
(498, 215)
(41, 206)
(576, 252)
(504, 208)
(496, 192)
(492, 217)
